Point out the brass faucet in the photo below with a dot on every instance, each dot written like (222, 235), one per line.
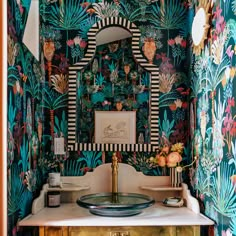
(114, 167)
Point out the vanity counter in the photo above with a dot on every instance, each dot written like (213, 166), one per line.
(72, 220)
(71, 214)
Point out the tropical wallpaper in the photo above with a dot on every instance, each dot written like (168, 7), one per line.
(197, 106)
(212, 118)
(115, 83)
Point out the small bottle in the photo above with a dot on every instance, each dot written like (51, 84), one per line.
(141, 138)
(53, 199)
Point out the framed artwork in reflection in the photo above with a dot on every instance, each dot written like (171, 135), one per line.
(118, 127)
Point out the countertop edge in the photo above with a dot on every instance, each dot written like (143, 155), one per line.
(149, 217)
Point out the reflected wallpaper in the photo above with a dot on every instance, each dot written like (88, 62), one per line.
(197, 104)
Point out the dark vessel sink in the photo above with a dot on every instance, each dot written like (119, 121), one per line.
(115, 204)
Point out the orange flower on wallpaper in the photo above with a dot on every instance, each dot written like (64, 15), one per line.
(233, 179)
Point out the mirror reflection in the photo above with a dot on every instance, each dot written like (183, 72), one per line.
(113, 92)
(113, 81)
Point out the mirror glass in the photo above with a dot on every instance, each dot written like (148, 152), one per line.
(113, 93)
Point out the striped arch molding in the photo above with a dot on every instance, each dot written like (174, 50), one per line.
(73, 145)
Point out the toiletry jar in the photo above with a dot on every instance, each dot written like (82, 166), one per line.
(53, 199)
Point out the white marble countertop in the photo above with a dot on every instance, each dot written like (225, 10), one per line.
(71, 214)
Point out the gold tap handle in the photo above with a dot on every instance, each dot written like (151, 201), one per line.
(114, 162)
(114, 167)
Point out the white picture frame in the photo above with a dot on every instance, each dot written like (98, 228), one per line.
(118, 127)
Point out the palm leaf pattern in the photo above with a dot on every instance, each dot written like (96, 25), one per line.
(15, 11)
(24, 152)
(97, 97)
(15, 190)
(202, 181)
(12, 75)
(92, 159)
(231, 25)
(67, 16)
(214, 73)
(61, 126)
(223, 191)
(85, 25)
(196, 86)
(168, 98)
(53, 100)
(234, 6)
(72, 168)
(131, 13)
(233, 224)
(218, 139)
(25, 206)
(166, 126)
(106, 9)
(11, 114)
(171, 16)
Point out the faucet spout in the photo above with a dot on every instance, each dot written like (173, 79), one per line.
(114, 167)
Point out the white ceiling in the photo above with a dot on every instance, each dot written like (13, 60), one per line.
(111, 34)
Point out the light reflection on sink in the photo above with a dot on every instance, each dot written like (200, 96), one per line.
(115, 204)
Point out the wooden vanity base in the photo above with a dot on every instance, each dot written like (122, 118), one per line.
(120, 231)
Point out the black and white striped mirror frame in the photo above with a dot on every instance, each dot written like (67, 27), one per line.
(73, 145)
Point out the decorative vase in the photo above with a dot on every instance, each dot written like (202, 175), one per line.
(149, 49)
(175, 177)
(48, 50)
(127, 70)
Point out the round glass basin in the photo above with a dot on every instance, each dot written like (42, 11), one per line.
(115, 204)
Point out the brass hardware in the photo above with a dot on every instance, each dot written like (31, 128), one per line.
(114, 234)
(122, 233)
(114, 167)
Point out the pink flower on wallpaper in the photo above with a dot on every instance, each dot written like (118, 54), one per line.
(63, 63)
(228, 123)
(231, 103)
(14, 231)
(230, 52)
(171, 42)
(218, 12)
(162, 56)
(201, 196)
(219, 22)
(106, 103)
(70, 42)
(166, 67)
(184, 43)
(185, 105)
(220, 25)
(21, 9)
(83, 44)
(233, 130)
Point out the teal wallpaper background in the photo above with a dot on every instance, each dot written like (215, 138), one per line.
(197, 104)
(212, 119)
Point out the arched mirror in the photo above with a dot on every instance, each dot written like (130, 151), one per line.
(114, 92)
